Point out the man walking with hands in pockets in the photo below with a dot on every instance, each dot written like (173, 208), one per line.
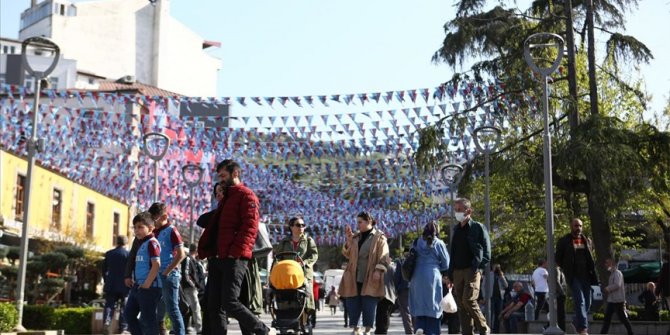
(470, 255)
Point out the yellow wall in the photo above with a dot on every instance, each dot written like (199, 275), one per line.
(73, 206)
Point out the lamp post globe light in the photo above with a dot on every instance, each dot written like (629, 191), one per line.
(50, 51)
(544, 41)
(155, 146)
(451, 175)
(192, 176)
(487, 139)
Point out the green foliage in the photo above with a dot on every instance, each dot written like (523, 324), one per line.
(51, 286)
(13, 254)
(598, 316)
(3, 252)
(8, 316)
(665, 315)
(38, 317)
(55, 260)
(76, 320)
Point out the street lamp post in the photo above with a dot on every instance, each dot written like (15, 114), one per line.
(160, 144)
(34, 145)
(192, 175)
(451, 175)
(547, 40)
(487, 138)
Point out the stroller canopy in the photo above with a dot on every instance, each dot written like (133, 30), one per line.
(287, 275)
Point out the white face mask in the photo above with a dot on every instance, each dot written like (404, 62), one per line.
(460, 216)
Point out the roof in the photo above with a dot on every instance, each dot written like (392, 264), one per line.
(90, 74)
(143, 89)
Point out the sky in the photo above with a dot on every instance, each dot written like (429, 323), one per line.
(306, 47)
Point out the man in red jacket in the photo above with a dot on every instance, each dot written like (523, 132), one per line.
(236, 220)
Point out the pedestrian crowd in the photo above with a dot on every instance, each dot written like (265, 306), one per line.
(432, 284)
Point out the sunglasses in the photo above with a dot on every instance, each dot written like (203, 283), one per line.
(300, 225)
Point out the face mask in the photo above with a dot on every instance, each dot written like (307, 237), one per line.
(513, 293)
(460, 216)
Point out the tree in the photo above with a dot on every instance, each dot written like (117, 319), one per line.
(593, 163)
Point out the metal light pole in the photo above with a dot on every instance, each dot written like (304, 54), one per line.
(547, 40)
(192, 175)
(487, 138)
(34, 145)
(161, 144)
(451, 175)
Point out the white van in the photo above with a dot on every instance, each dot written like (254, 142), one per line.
(332, 277)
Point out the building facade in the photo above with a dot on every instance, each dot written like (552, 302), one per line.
(127, 38)
(61, 210)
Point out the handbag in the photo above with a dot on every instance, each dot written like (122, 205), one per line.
(408, 265)
(448, 304)
(262, 246)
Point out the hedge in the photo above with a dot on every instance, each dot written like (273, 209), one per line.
(74, 320)
(8, 316)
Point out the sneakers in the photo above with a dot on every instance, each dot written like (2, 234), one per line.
(419, 332)
(272, 331)
(584, 332)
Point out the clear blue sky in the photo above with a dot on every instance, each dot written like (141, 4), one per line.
(306, 47)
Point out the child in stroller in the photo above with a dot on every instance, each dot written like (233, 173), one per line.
(289, 295)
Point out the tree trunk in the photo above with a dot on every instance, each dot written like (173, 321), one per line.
(593, 88)
(573, 116)
(600, 231)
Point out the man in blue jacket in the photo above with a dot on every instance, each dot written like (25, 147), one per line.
(115, 289)
(470, 255)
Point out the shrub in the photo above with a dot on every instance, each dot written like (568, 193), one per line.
(665, 315)
(598, 316)
(38, 317)
(75, 320)
(8, 316)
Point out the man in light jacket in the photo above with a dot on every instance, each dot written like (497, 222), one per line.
(616, 298)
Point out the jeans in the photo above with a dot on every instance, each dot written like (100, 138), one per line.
(191, 294)
(496, 308)
(170, 303)
(225, 283)
(540, 300)
(619, 309)
(111, 298)
(383, 317)
(361, 304)
(581, 296)
(512, 323)
(143, 301)
(430, 326)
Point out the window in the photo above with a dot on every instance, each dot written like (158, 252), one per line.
(20, 197)
(29, 82)
(5, 49)
(90, 217)
(62, 10)
(53, 82)
(117, 224)
(56, 205)
(12, 50)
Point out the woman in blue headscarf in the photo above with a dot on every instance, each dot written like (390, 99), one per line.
(425, 288)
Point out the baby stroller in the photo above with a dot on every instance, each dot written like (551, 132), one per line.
(289, 295)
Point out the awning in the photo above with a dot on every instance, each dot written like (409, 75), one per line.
(643, 273)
